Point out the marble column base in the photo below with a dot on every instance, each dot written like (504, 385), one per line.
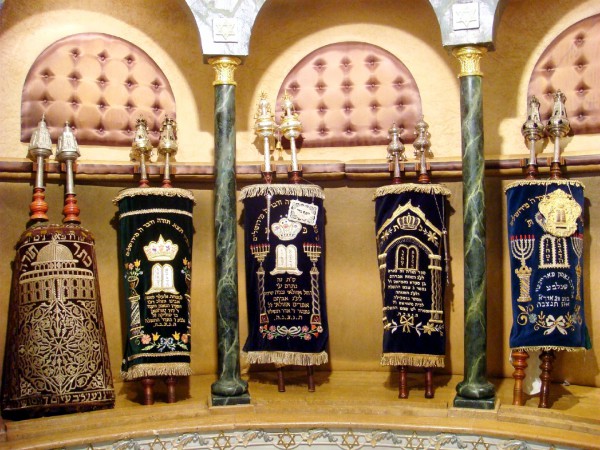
(221, 400)
(474, 403)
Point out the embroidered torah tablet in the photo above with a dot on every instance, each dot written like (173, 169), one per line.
(156, 230)
(285, 261)
(545, 236)
(56, 358)
(410, 226)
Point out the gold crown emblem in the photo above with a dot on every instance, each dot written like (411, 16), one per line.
(409, 222)
(161, 250)
(285, 229)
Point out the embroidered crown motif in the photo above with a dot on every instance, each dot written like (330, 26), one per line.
(285, 229)
(409, 222)
(161, 250)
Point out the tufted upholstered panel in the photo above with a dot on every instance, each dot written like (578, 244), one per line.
(571, 63)
(350, 93)
(101, 84)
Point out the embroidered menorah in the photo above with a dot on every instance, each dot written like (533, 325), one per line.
(577, 241)
(260, 252)
(522, 248)
(313, 251)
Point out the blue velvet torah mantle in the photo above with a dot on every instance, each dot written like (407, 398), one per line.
(412, 255)
(284, 229)
(155, 236)
(545, 239)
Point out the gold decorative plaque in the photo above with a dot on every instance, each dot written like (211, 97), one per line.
(560, 212)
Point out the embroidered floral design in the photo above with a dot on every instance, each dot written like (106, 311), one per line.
(563, 323)
(132, 269)
(187, 267)
(273, 332)
(407, 324)
(162, 343)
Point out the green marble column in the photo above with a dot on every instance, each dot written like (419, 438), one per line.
(475, 391)
(229, 389)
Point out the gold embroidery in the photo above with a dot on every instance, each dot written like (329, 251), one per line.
(522, 248)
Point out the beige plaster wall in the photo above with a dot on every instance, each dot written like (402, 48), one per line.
(284, 32)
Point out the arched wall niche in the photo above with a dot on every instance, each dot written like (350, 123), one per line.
(27, 29)
(101, 85)
(406, 36)
(350, 94)
(571, 63)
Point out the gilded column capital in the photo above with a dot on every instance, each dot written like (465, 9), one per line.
(224, 67)
(469, 57)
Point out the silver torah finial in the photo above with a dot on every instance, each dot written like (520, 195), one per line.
(558, 126)
(291, 127)
(422, 145)
(167, 147)
(264, 128)
(67, 151)
(40, 148)
(532, 130)
(396, 154)
(141, 149)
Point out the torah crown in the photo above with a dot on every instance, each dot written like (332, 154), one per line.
(409, 222)
(285, 229)
(161, 250)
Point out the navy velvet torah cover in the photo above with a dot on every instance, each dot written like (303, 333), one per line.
(155, 236)
(56, 358)
(411, 239)
(285, 273)
(545, 236)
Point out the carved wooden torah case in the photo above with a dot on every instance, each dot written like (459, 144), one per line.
(56, 354)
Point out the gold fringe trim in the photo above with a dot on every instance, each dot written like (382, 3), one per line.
(412, 187)
(412, 359)
(157, 370)
(164, 192)
(544, 183)
(547, 348)
(260, 190)
(287, 358)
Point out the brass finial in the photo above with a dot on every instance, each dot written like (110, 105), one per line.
(558, 126)
(291, 127)
(40, 148)
(141, 149)
(67, 151)
(264, 128)
(167, 147)
(395, 153)
(422, 145)
(532, 130)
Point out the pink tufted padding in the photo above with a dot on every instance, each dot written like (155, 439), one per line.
(571, 63)
(350, 93)
(101, 84)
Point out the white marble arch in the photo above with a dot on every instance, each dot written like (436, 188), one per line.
(225, 26)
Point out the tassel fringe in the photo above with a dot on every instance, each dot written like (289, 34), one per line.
(260, 190)
(547, 348)
(157, 370)
(164, 192)
(412, 187)
(544, 183)
(412, 359)
(287, 358)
